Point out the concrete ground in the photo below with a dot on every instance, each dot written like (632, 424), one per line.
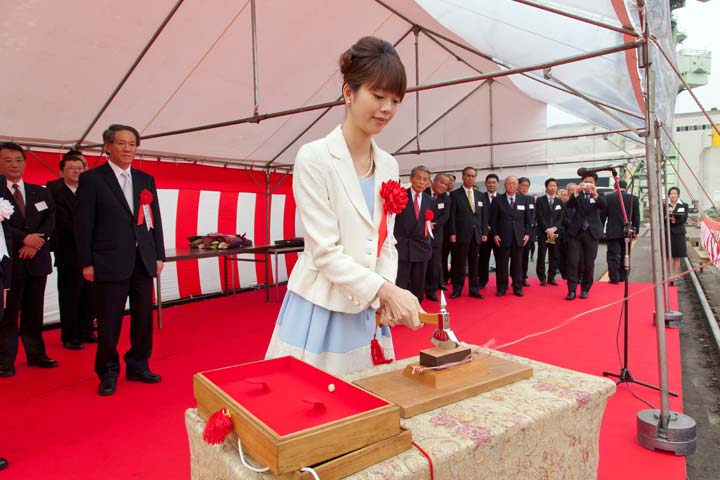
(700, 357)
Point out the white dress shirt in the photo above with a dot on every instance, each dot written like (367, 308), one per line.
(119, 174)
(21, 186)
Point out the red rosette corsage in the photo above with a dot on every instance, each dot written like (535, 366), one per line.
(429, 216)
(146, 197)
(395, 198)
(145, 213)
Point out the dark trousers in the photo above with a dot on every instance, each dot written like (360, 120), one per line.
(411, 276)
(76, 297)
(512, 255)
(465, 255)
(529, 247)
(553, 268)
(582, 250)
(434, 270)
(24, 300)
(616, 259)
(447, 249)
(486, 248)
(111, 298)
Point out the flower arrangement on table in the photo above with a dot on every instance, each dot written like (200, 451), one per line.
(219, 241)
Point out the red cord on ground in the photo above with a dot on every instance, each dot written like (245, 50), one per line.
(425, 454)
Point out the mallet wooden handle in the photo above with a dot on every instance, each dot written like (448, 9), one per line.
(426, 318)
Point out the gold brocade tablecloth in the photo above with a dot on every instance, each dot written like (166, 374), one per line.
(545, 427)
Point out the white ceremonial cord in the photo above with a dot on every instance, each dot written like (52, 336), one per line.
(312, 472)
(247, 465)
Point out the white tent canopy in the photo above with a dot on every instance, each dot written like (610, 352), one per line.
(72, 68)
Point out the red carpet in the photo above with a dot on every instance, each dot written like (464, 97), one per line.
(56, 426)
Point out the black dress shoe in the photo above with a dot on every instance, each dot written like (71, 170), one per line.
(583, 294)
(108, 385)
(525, 283)
(146, 377)
(42, 362)
(455, 294)
(570, 296)
(443, 288)
(431, 296)
(92, 338)
(7, 371)
(518, 293)
(3, 464)
(73, 345)
(500, 293)
(552, 282)
(476, 294)
(543, 283)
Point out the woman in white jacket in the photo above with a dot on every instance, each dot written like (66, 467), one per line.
(347, 270)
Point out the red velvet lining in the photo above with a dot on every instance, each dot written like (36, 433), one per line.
(284, 392)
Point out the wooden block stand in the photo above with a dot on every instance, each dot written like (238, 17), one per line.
(419, 393)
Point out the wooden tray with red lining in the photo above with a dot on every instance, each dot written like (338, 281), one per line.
(287, 418)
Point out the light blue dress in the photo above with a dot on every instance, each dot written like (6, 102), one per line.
(334, 341)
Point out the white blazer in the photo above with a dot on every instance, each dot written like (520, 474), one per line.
(339, 268)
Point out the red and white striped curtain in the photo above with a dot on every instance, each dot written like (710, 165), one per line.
(196, 200)
(710, 235)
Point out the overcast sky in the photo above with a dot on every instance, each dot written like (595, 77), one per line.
(701, 23)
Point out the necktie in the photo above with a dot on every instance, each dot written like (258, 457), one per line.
(587, 196)
(492, 197)
(512, 202)
(470, 199)
(417, 206)
(552, 200)
(127, 189)
(19, 199)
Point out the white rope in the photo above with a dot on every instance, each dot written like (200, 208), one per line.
(312, 472)
(247, 465)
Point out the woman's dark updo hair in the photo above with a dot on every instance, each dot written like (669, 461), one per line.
(374, 63)
(674, 188)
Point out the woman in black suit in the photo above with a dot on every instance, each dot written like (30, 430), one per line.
(678, 216)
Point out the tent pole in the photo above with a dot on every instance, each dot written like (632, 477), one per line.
(626, 30)
(430, 86)
(256, 81)
(444, 114)
(325, 112)
(416, 32)
(130, 71)
(490, 101)
(656, 429)
(509, 142)
(548, 74)
(530, 77)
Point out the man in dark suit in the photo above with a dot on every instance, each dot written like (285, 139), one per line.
(549, 214)
(121, 249)
(510, 220)
(615, 229)
(492, 182)
(5, 274)
(413, 245)
(524, 188)
(584, 230)
(447, 247)
(76, 295)
(441, 211)
(468, 229)
(30, 227)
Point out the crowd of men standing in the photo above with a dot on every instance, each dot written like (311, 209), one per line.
(105, 230)
(469, 226)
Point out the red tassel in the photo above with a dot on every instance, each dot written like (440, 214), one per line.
(218, 427)
(376, 351)
(441, 335)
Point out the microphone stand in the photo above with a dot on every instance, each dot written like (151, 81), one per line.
(625, 376)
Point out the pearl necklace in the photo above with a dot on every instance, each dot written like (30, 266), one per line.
(372, 165)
